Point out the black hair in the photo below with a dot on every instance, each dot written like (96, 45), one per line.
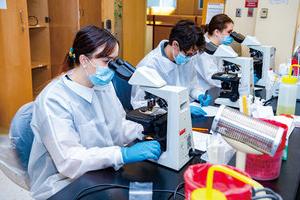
(188, 35)
(218, 22)
(86, 41)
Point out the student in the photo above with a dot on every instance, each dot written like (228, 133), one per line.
(78, 122)
(172, 59)
(218, 32)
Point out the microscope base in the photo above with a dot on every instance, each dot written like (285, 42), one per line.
(227, 102)
(168, 161)
(261, 83)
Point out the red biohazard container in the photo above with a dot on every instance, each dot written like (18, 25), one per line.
(195, 177)
(265, 167)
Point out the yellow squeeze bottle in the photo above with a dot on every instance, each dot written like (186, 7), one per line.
(287, 94)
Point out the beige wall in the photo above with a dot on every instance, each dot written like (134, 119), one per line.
(243, 24)
(278, 29)
(297, 36)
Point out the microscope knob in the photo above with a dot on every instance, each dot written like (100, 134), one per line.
(234, 97)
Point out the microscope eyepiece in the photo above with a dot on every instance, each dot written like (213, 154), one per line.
(237, 37)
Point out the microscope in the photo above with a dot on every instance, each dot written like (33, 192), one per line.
(263, 56)
(237, 78)
(166, 118)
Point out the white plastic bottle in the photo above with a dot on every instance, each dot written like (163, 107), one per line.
(287, 95)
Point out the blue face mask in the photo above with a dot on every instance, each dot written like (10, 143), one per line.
(102, 76)
(227, 40)
(181, 59)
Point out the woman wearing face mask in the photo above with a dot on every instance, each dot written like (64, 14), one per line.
(173, 60)
(218, 32)
(78, 122)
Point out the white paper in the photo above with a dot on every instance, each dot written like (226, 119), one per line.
(279, 1)
(210, 110)
(200, 140)
(3, 4)
(262, 111)
(214, 9)
(287, 121)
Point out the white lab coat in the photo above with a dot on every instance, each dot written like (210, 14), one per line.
(76, 130)
(206, 65)
(173, 74)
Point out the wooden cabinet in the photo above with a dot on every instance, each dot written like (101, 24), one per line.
(90, 12)
(66, 19)
(32, 48)
(15, 63)
(39, 37)
(133, 30)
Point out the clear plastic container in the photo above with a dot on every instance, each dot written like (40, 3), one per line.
(287, 95)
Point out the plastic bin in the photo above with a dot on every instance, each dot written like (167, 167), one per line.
(265, 167)
(195, 177)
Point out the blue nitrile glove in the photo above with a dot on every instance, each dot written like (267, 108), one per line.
(141, 151)
(197, 111)
(255, 79)
(204, 99)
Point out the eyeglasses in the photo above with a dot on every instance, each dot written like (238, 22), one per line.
(190, 54)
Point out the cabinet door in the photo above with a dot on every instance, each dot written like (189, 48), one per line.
(64, 24)
(90, 12)
(134, 30)
(15, 69)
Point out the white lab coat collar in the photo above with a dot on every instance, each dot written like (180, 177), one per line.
(169, 67)
(84, 92)
(103, 87)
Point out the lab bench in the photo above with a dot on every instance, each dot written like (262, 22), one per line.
(287, 185)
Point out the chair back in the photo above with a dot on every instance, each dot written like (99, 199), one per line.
(21, 134)
(10, 164)
(123, 91)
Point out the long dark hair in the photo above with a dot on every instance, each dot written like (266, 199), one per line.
(86, 41)
(218, 22)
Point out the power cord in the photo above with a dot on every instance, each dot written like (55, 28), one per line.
(87, 191)
(270, 194)
(268, 102)
(95, 188)
(179, 186)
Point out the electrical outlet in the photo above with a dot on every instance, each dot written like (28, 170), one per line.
(264, 13)
(238, 12)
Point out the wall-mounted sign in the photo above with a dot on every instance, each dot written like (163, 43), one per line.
(251, 3)
(214, 9)
(279, 1)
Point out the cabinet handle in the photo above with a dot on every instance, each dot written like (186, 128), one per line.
(82, 12)
(22, 20)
